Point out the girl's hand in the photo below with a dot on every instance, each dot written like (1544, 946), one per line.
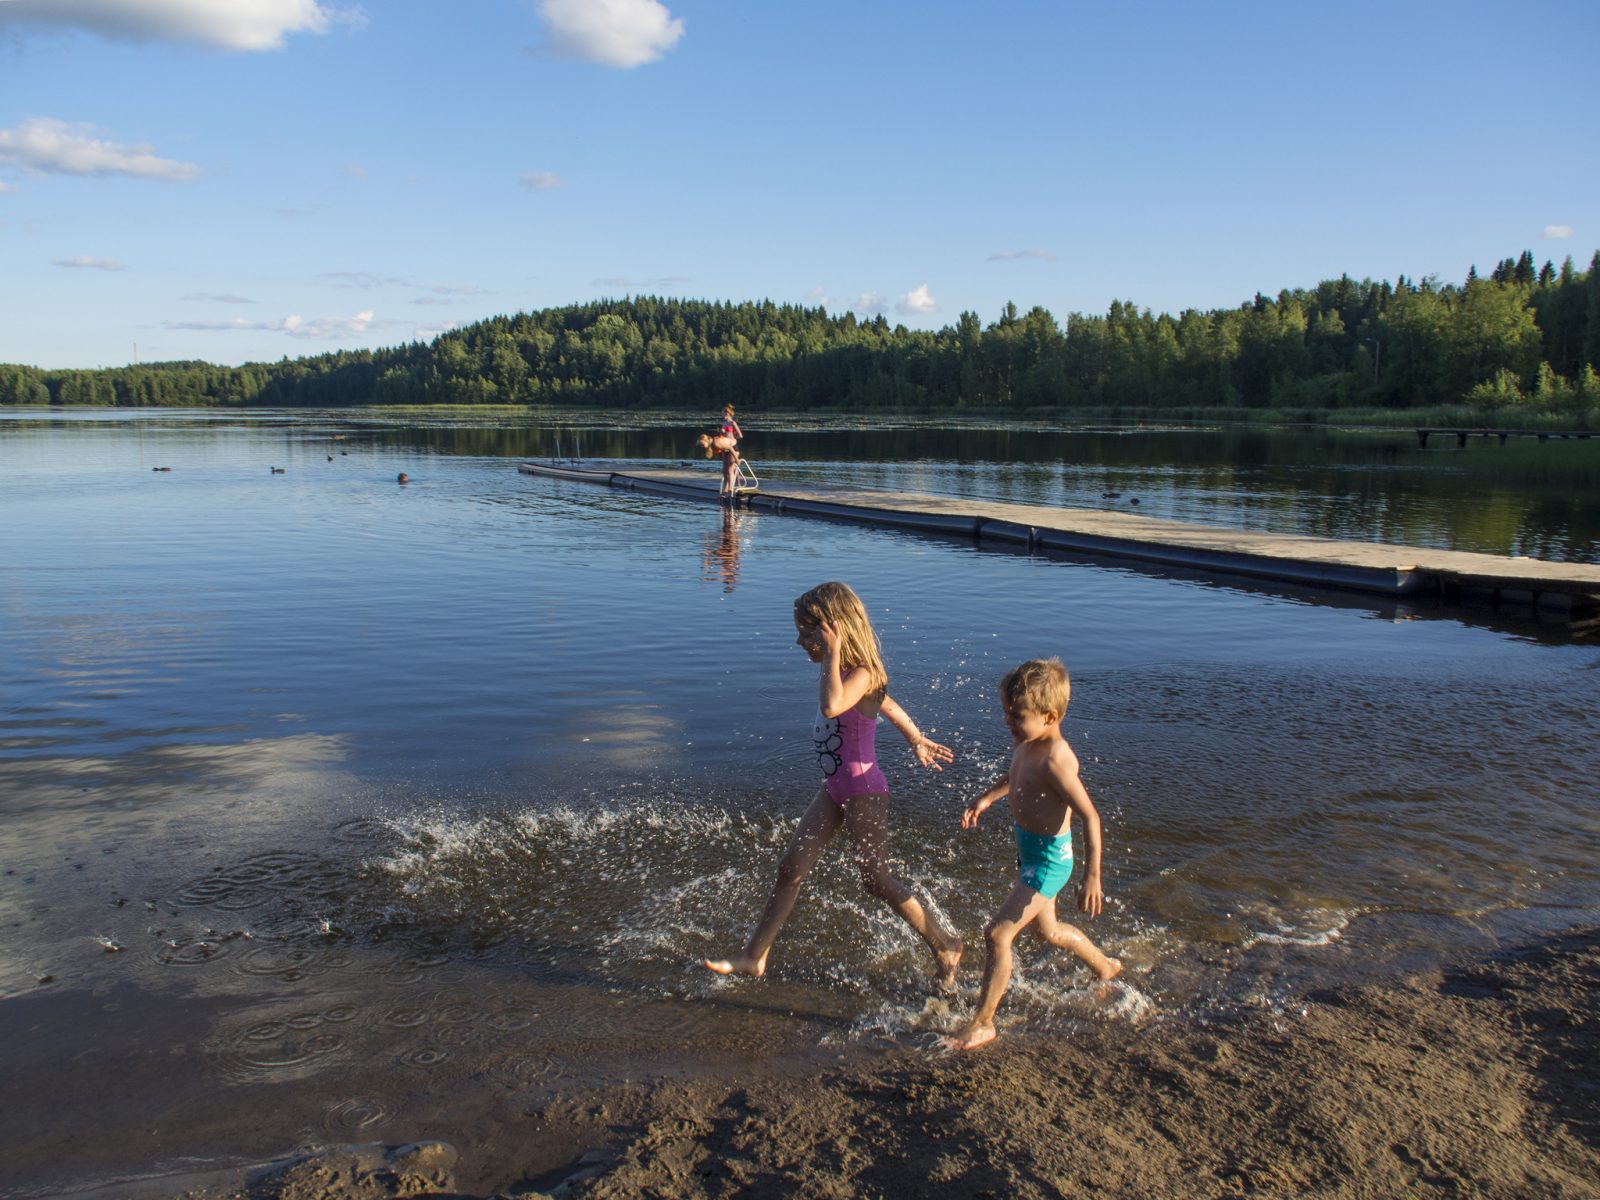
(969, 818)
(930, 753)
(831, 639)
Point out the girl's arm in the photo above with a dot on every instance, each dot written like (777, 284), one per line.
(838, 691)
(737, 432)
(997, 791)
(929, 752)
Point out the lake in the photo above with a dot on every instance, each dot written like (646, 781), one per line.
(373, 804)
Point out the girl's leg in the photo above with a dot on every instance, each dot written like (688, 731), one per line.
(1069, 937)
(1020, 907)
(867, 818)
(811, 837)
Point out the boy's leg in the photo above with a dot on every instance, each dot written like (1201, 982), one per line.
(867, 819)
(1019, 908)
(1069, 937)
(811, 837)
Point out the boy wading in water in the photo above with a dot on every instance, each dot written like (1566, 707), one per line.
(1045, 791)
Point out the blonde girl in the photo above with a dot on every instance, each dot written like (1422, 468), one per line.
(723, 444)
(833, 629)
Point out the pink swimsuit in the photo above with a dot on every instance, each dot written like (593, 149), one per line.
(848, 756)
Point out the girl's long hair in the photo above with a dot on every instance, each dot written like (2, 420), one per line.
(858, 644)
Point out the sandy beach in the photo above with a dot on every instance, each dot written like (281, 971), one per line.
(1478, 1080)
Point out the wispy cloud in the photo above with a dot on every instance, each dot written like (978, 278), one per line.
(215, 298)
(543, 181)
(317, 329)
(1557, 231)
(613, 33)
(623, 284)
(1013, 255)
(870, 302)
(355, 171)
(225, 24)
(366, 280)
(818, 296)
(46, 146)
(916, 301)
(7, 187)
(84, 262)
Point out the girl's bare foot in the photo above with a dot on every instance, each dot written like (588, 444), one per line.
(947, 962)
(742, 965)
(972, 1036)
(1110, 971)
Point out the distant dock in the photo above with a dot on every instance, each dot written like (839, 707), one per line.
(1570, 591)
(1461, 435)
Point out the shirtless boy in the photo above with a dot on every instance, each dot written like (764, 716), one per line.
(1045, 791)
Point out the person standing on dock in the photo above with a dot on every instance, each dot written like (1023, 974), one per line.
(730, 427)
(722, 445)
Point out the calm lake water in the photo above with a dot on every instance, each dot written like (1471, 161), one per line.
(395, 800)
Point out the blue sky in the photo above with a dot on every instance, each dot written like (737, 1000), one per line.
(237, 180)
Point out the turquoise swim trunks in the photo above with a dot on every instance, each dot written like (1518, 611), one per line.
(1044, 863)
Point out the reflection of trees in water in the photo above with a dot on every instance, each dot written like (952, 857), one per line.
(720, 559)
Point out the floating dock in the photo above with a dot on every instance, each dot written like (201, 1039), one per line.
(1569, 591)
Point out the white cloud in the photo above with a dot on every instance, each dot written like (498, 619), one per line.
(916, 301)
(1012, 255)
(296, 326)
(355, 171)
(613, 33)
(7, 187)
(83, 261)
(225, 298)
(543, 181)
(818, 296)
(1557, 231)
(870, 302)
(46, 146)
(226, 24)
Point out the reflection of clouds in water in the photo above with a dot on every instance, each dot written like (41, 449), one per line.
(625, 727)
(156, 774)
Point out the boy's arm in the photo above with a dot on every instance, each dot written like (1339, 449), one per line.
(1064, 774)
(929, 752)
(997, 791)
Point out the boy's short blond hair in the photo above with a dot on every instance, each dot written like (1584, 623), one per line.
(1039, 685)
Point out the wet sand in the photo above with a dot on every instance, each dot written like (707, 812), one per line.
(1477, 1080)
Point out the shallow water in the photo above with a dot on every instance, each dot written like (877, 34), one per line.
(373, 786)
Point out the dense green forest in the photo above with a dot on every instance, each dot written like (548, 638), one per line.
(1522, 338)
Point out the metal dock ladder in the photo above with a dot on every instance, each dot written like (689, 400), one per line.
(744, 478)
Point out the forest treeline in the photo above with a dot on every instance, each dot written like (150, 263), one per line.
(1522, 337)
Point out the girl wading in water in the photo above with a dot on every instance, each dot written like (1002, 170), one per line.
(852, 691)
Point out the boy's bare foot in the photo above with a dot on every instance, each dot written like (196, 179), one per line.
(742, 965)
(972, 1036)
(948, 962)
(1110, 971)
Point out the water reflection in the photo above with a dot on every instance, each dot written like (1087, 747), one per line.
(720, 561)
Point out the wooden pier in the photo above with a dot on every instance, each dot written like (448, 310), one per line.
(1569, 591)
(1544, 435)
